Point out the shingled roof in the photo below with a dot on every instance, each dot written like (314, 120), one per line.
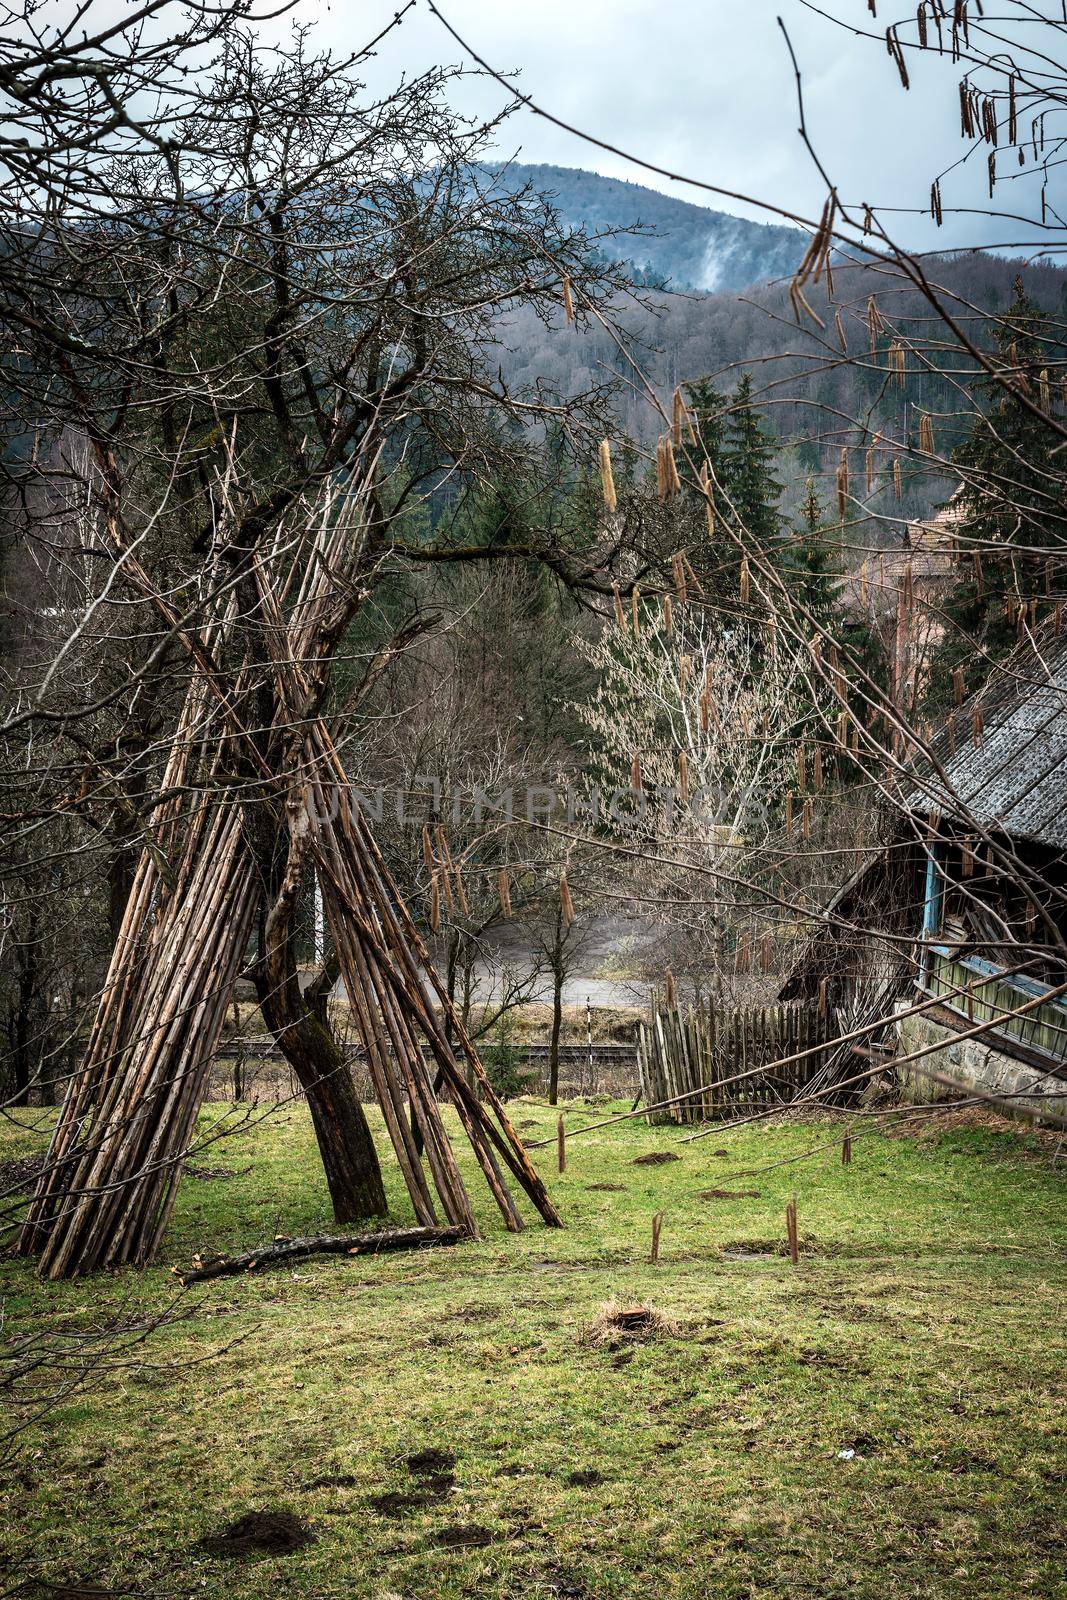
(1015, 777)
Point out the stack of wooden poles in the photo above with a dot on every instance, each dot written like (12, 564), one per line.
(129, 1117)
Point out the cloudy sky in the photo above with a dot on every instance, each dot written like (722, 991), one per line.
(703, 87)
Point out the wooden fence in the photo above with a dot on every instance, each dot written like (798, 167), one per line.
(680, 1051)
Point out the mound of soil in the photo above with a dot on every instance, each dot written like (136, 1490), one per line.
(584, 1478)
(399, 1503)
(655, 1158)
(619, 1324)
(261, 1533)
(430, 1463)
(462, 1536)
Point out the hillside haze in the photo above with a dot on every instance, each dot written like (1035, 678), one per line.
(688, 246)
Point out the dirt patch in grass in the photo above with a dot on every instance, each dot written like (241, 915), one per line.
(606, 1188)
(584, 1478)
(463, 1536)
(335, 1480)
(620, 1323)
(655, 1158)
(259, 1533)
(17, 1176)
(401, 1502)
(431, 1463)
(729, 1194)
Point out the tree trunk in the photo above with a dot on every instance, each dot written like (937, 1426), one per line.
(302, 1032)
(349, 1158)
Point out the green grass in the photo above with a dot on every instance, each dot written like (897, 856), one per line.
(921, 1330)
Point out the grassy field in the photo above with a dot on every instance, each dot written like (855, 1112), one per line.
(885, 1418)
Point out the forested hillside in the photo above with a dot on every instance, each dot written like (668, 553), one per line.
(677, 243)
(817, 396)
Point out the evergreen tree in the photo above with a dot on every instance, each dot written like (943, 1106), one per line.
(741, 454)
(809, 562)
(750, 454)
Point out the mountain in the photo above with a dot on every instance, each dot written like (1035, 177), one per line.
(683, 245)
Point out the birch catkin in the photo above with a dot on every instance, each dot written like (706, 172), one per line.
(842, 483)
(607, 478)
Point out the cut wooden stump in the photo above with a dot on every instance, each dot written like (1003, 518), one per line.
(318, 1244)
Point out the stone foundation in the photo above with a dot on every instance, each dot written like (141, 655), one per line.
(974, 1065)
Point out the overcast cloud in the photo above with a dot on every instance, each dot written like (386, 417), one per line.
(704, 87)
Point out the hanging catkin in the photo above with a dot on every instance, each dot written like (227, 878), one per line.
(1044, 391)
(842, 483)
(977, 726)
(668, 616)
(693, 579)
(668, 989)
(926, 434)
(680, 585)
(661, 470)
(635, 613)
(802, 767)
(898, 479)
(840, 326)
(607, 478)
(636, 783)
(435, 905)
(709, 499)
(817, 769)
(445, 857)
(683, 776)
(566, 904)
(427, 848)
(674, 482)
(503, 889)
(744, 583)
(957, 685)
(805, 824)
(620, 615)
(568, 303)
(677, 413)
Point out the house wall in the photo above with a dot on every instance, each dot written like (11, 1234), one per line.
(974, 1065)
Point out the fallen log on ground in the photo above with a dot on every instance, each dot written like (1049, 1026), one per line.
(316, 1244)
